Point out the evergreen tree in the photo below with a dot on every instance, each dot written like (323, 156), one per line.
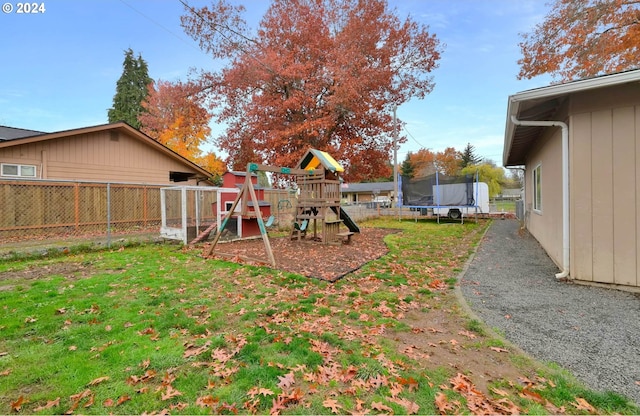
(407, 169)
(131, 90)
(469, 156)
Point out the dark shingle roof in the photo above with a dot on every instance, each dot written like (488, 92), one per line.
(12, 133)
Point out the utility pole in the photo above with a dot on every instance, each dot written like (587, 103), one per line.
(395, 163)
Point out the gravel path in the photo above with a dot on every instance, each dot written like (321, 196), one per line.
(592, 332)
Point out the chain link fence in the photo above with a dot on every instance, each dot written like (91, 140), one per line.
(33, 212)
(52, 209)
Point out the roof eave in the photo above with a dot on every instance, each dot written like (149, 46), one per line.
(554, 91)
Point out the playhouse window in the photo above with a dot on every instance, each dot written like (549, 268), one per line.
(537, 189)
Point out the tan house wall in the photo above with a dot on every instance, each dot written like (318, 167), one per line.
(546, 224)
(105, 155)
(605, 186)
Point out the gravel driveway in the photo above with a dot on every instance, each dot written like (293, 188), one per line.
(592, 332)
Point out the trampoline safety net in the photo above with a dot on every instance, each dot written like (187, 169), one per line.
(437, 190)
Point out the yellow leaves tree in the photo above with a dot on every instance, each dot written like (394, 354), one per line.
(489, 173)
(175, 116)
(583, 38)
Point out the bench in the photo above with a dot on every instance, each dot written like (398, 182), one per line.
(347, 234)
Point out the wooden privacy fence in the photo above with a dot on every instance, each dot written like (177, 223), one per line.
(50, 209)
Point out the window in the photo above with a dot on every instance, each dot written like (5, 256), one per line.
(18, 171)
(537, 189)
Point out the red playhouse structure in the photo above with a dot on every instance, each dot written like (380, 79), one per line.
(243, 222)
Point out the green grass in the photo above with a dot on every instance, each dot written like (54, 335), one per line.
(162, 329)
(506, 206)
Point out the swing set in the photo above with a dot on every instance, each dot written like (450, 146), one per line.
(319, 200)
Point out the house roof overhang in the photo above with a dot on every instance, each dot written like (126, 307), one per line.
(120, 127)
(542, 104)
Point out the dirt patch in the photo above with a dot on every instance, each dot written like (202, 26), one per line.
(439, 337)
(9, 279)
(311, 258)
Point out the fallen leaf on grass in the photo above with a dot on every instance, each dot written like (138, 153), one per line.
(333, 405)
(170, 393)
(286, 381)
(49, 405)
(260, 391)
(442, 403)
(5, 372)
(532, 395)
(500, 392)
(498, 349)
(98, 380)
(17, 405)
(206, 401)
(381, 407)
(467, 334)
(412, 408)
(582, 404)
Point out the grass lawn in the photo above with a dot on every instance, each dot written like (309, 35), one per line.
(158, 329)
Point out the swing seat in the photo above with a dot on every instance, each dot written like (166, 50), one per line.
(302, 226)
(270, 221)
(299, 230)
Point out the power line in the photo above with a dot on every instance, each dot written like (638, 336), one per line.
(414, 139)
(160, 25)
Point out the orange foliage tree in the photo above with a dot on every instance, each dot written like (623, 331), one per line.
(175, 115)
(583, 38)
(425, 162)
(318, 73)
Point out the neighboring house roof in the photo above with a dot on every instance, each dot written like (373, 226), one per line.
(119, 127)
(542, 104)
(369, 187)
(12, 133)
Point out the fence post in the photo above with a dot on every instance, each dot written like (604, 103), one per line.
(108, 215)
(145, 210)
(76, 205)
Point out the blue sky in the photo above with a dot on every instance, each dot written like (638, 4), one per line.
(60, 67)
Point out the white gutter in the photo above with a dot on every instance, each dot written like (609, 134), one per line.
(565, 185)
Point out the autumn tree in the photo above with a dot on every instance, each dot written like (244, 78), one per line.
(469, 157)
(489, 173)
(422, 162)
(427, 162)
(131, 90)
(175, 116)
(212, 164)
(317, 73)
(583, 38)
(448, 161)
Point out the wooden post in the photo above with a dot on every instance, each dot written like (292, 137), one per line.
(242, 196)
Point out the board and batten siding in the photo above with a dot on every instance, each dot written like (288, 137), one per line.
(605, 187)
(546, 224)
(97, 156)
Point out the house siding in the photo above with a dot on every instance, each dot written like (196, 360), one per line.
(605, 186)
(106, 155)
(546, 225)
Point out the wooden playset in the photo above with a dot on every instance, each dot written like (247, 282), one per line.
(317, 211)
